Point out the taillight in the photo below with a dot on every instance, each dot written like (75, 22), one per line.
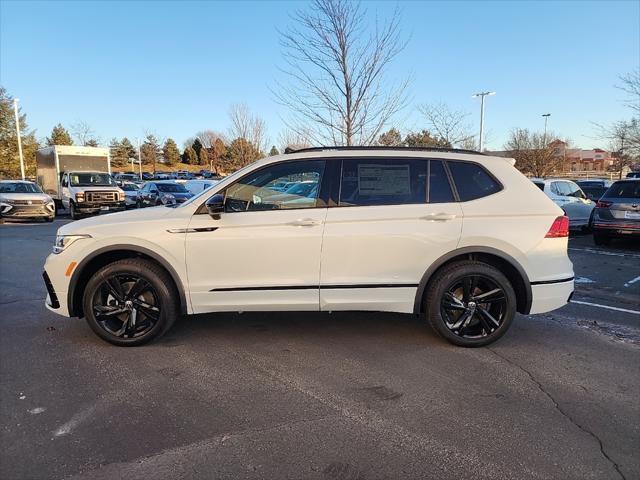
(601, 204)
(559, 228)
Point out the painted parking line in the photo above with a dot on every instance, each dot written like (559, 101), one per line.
(602, 252)
(617, 309)
(631, 282)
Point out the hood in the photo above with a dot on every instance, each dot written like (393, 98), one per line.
(120, 220)
(26, 196)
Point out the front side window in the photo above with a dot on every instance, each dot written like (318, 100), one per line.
(262, 190)
(472, 181)
(383, 182)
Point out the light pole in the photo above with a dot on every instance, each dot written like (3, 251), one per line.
(546, 118)
(139, 159)
(482, 95)
(15, 109)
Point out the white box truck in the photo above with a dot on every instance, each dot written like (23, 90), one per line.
(79, 178)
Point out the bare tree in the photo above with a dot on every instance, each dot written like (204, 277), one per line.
(294, 139)
(450, 125)
(624, 142)
(336, 73)
(84, 134)
(533, 153)
(631, 86)
(208, 138)
(252, 129)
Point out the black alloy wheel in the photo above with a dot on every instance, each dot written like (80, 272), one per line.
(130, 302)
(470, 303)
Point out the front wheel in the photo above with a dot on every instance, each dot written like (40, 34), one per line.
(470, 304)
(73, 212)
(130, 302)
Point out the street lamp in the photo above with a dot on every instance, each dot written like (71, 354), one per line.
(546, 118)
(15, 110)
(482, 95)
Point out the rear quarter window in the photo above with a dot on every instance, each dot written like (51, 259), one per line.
(472, 181)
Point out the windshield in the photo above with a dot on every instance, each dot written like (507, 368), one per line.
(19, 187)
(91, 179)
(171, 187)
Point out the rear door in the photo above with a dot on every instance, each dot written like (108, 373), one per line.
(382, 234)
(574, 202)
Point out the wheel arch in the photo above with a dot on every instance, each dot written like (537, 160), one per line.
(508, 265)
(103, 256)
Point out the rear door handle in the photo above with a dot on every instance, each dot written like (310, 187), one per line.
(439, 217)
(304, 222)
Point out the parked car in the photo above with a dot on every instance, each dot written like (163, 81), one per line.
(198, 186)
(633, 175)
(130, 194)
(165, 192)
(570, 197)
(594, 188)
(185, 176)
(462, 239)
(125, 177)
(146, 176)
(22, 199)
(617, 213)
(161, 176)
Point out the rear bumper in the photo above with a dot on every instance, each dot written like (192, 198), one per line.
(549, 296)
(621, 228)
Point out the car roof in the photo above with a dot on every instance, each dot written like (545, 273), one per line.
(15, 181)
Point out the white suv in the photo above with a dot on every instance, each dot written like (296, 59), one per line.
(459, 237)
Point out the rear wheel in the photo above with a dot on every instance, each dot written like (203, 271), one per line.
(470, 304)
(130, 302)
(601, 239)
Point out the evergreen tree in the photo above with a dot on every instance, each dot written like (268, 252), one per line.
(190, 156)
(218, 152)
(116, 153)
(204, 157)
(92, 142)
(197, 146)
(170, 152)
(424, 138)
(242, 152)
(9, 157)
(274, 151)
(150, 150)
(128, 149)
(390, 138)
(59, 136)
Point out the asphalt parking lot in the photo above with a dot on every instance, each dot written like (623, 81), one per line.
(327, 396)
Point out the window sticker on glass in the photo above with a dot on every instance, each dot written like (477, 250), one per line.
(383, 179)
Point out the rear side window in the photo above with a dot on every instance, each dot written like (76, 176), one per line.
(472, 181)
(624, 190)
(439, 186)
(383, 182)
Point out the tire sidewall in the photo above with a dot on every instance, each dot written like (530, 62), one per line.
(445, 278)
(151, 274)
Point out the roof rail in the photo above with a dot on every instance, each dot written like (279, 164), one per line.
(377, 147)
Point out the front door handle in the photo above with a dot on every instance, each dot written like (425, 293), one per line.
(304, 222)
(439, 217)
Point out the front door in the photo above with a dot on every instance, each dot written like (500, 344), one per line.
(263, 252)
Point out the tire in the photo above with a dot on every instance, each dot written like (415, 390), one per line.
(469, 322)
(601, 239)
(72, 211)
(51, 219)
(154, 303)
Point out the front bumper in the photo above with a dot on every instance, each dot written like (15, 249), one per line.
(27, 211)
(57, 283)
(100, 207)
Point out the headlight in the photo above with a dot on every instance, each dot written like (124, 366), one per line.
(63, 241)
(80, 197)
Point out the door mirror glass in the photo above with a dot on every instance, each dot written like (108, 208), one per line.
(215, 205)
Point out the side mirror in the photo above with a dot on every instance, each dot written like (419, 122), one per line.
(215, 205)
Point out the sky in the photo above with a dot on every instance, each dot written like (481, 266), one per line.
(174, 68)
